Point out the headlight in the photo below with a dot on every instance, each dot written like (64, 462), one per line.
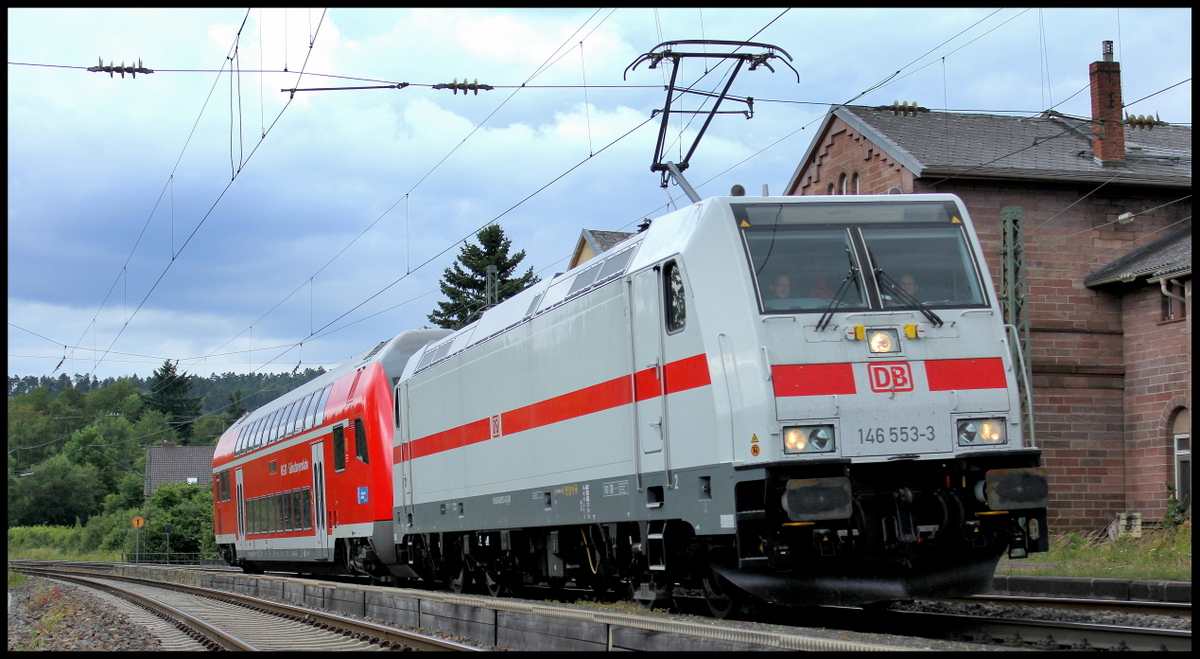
(883, 341)
(977, 432)
(808, 439)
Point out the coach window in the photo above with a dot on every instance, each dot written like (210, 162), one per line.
(306, 507)
(289, 413)
(286, 499)
(339, 448)
(306, 413)
(297, 420)
(674, 303)
(360, 441)
(320, 418)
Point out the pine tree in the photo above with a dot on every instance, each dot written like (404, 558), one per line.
(234, 410)
(465, 282)
(167, 392)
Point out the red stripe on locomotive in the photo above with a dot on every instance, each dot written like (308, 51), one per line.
(948, 374)
(813, 379)
(681, 375)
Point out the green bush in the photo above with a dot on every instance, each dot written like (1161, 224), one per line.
(63, 538)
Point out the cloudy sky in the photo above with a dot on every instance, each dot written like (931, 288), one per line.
(150, 218)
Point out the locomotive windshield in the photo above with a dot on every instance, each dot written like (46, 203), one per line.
(858, 256)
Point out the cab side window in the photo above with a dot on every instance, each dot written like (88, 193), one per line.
(676, 311)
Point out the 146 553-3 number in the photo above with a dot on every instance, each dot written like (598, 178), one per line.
(894, 434)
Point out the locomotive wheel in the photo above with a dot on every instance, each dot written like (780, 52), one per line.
(496, 584)
(721, 603)
(460, 580)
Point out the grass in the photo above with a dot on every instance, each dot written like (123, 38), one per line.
(1158, 554)
(53, 554)
(16, 579)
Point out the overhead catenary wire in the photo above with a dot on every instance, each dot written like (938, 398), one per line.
(540, 69)
(506, 211)
(406, 203)
(211, 208)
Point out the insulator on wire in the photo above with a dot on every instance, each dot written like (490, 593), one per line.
(903, 109)
(122, 69)
(1143, 121)
(464, 86)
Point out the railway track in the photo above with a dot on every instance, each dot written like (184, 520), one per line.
(1004, 620)
(1178, 609)
(222, 620)
(1043, 634)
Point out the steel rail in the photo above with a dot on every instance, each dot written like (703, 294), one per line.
(1045, 633)
(214, 634)
(1181, 609)
(413, 640)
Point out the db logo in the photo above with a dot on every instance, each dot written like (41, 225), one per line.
(890, 376)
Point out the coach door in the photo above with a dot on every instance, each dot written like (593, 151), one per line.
(318, 472)
(241, 506)
(645, 310)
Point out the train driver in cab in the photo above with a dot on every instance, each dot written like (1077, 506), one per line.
(778, 294)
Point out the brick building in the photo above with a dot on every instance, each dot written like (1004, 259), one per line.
(1072, 197)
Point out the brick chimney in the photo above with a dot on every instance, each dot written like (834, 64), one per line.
(1108, 133)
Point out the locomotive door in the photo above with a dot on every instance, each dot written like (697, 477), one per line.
(318, 485)
(645, 324)
(404, 463)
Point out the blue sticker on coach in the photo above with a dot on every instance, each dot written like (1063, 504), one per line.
(362, 495)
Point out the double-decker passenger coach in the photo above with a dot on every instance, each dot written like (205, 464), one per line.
(304, 482)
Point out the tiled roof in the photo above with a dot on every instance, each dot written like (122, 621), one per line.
(1170, 254)
(1051, 146)
(604, 240)
(175, 464)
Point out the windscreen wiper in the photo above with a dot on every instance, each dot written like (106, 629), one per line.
(886, 281)
(827, 316)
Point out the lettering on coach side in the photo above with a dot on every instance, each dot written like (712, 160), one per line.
(890, 376)
(293, 468)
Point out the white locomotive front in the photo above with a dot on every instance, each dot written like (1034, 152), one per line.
(809, 399)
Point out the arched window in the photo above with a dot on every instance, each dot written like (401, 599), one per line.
(1181, 439)
(842, 184)
(830, 191)
(854, 183)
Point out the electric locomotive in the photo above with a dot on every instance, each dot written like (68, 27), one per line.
(810, 400)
